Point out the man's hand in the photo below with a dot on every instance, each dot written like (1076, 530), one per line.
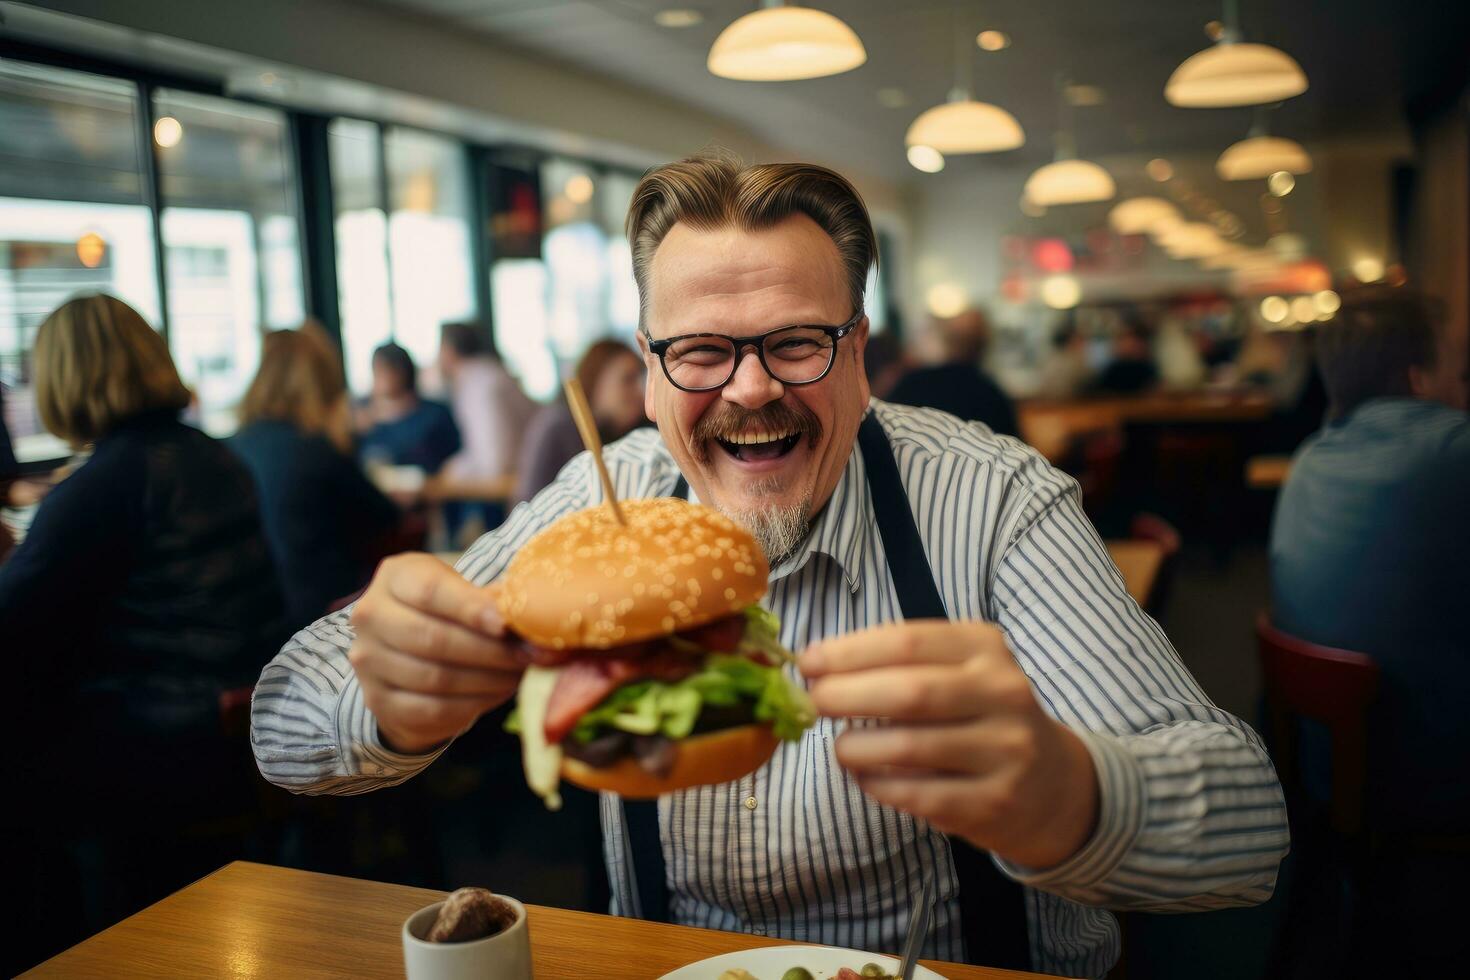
(428, 652)
(965, 744)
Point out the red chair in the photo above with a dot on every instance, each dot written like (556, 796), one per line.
(1333, 687)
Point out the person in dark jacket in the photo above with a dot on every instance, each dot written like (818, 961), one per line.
(959, 386)
(143, 592)
(402, 428)
(322, 516)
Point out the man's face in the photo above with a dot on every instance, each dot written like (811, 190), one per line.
(744, 283)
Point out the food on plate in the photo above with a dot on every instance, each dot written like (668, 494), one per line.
(471, 913)
(870, 971)
(650, 666)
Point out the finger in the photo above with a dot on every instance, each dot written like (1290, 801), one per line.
(437, 717)
(401, 627)
(424, 583)
(974, 748)
(899, 644)
(953, 804)
(410, 673)
(909, 693)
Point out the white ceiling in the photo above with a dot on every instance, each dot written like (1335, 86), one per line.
(1364, 59)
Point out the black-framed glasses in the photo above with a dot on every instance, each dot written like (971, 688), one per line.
(795, 355)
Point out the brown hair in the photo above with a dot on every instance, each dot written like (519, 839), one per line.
(596, 359)
(1377, 334)
(713, 192)
(299, 381)
(98, 364)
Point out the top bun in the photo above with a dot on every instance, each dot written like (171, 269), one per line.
(586, 581)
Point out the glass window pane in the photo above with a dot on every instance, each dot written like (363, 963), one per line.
(229, 235)
(428, 238)
(362, 245)
(518, 294)
(71, 216)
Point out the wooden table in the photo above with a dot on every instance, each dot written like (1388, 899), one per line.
(253, 920)
(1051, 426)
(1139, 561)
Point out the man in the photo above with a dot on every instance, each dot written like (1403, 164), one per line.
(1370, 546)
(1049, 722)
(959, 386)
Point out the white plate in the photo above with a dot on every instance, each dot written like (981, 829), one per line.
(769, 962)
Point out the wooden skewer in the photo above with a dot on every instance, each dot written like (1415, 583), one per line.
(587, 427)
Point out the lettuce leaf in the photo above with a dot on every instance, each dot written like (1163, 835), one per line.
(671, 708)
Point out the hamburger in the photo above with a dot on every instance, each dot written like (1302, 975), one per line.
(650, 666)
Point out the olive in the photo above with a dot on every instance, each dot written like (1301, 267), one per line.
(797, 973)
(873, 970)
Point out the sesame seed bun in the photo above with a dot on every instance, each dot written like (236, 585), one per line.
(586, 582)
(701, 760)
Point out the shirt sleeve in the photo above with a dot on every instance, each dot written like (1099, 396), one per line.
(311, 732)
(1191, 814)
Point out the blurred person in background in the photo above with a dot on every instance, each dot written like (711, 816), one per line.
(885, 362)
(959, 386)
(611, 373)
(492, 413)
(322, 517)
(400, 427)
(1067, 372)
(1370, 551)
(143, 592)
(1132, 369)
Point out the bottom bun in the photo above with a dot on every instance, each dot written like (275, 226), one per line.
(701, 760)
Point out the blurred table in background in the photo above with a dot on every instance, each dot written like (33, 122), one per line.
(1267, 472)
(495, 490)
(1052, 427)
(261, 921)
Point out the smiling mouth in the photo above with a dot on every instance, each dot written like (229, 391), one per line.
(754, 446)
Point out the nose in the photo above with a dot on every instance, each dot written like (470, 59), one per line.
(751, 387)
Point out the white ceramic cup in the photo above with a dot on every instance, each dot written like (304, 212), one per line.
(503, 956)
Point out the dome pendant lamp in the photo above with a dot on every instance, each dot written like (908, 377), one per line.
(1260, 155)
(1233, 72)
(785, 43)
(962, 124)
(1068, 180)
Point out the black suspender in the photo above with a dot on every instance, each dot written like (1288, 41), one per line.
(992, 906)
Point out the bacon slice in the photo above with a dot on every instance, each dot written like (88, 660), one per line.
(585, 682)
(720, 636)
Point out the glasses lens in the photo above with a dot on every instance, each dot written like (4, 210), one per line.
(798, 355)
(699, 362)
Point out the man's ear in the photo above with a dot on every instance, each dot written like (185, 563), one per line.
(651, 367)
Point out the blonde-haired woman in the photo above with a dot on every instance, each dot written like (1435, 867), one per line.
(322, 516)
(142, 592)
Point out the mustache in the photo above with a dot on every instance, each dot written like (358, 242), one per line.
(724, 420)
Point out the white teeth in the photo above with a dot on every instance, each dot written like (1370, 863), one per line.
(756, 438)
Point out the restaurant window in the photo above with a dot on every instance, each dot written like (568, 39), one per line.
(404, 262)
(231, 258)
(72, 217)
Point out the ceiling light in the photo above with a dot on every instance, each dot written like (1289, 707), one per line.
(1138, 215)
(963, 125)
(1274, 309)
(1368, 269)
(1214, 29)
(993, 40)
(779, 43)
(946, 300)
(1061, 292)
(1030, 208)
(167, 132)
(1069, 182)
(1261, 156)
(892, 98)
(1303, 309)
(1193, 240)
(1327, 302)
(1233, 72)
(1159, 169)
(1085, 95)
(926, 158)
(579, 189)
(676, 17)
(1280, 183)
(90, 250)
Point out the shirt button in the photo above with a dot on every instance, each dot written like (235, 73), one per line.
(750, 803)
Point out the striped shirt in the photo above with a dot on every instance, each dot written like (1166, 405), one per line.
(1191, 813)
